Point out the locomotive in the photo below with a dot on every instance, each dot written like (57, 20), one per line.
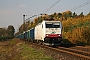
(46, 32)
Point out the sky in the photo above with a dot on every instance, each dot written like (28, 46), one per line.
(12, 11)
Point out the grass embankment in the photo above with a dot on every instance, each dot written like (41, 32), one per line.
(17, 50)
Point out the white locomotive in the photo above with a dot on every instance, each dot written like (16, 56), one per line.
(49, 33)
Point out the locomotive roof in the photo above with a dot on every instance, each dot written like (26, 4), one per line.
(47, 21)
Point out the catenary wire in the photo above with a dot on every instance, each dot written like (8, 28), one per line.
(82, 5)
(52, 6)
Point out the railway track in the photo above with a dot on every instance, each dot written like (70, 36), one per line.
(78, 53)
(83, 48)
(63, 53)
(82, 55)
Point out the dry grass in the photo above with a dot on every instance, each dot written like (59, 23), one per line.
(17, 50)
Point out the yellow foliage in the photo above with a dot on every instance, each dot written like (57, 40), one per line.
(80, 32)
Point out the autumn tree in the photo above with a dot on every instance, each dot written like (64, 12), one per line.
(74, 15)
(88, 13)
(67, 14)
(81, 14)
(51, 17)
(59, 15)
(76, 30)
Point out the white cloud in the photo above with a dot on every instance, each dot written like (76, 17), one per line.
(22, 5)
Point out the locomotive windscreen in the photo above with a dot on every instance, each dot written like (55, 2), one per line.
(53, 25)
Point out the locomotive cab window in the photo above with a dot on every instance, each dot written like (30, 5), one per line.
(56, 25)
(53, 25)
(48, 25)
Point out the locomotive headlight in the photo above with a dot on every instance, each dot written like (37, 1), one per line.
(47, 35)
(58, 35)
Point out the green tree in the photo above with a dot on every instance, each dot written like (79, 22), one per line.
(10, 31)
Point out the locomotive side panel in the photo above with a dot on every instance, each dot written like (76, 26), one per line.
(39, 32)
